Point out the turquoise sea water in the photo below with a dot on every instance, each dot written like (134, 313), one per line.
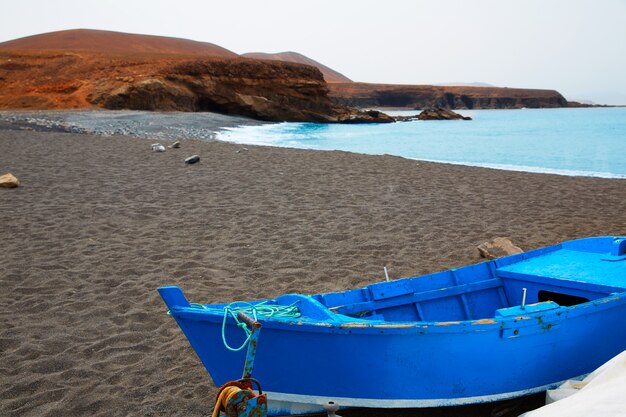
(587, 142)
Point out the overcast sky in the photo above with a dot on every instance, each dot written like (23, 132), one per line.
(577, 47)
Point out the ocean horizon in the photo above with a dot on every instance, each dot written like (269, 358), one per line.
(575, 142)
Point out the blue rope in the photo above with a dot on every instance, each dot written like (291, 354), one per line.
(261, 309)
(255, 310)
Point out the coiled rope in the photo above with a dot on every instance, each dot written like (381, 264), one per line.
(262, 309)
(226, 395)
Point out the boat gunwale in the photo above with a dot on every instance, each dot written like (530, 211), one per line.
(303, 324)
(349, 324)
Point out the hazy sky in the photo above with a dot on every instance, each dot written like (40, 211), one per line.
(577, 47)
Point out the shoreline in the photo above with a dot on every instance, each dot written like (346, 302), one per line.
(532, 170)
(345, 140)
(496, 167)
(99, 223)
(209, 126)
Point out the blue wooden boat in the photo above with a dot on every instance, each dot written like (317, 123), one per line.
(456, 337)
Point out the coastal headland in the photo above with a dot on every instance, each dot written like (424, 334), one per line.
(264, 90)
(82, 68)
(449, 97)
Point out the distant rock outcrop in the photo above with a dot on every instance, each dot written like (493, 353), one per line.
(368, 116)
(437, 113)
(330, 75)
(451, 97)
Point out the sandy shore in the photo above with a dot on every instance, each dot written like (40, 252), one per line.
(100, 223)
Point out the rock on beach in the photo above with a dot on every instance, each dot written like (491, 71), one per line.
(497, 248)
(8, 180)
(192, 159)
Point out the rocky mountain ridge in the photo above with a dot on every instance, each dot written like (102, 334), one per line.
(366, 95)
(330, 75)
(106, 41)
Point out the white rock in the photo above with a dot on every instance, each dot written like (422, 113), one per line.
(8, 181)
(497, 248)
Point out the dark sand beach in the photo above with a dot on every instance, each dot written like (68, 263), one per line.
(100, 222)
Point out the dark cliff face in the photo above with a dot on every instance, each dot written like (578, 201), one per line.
(264, 90)
(419, 97)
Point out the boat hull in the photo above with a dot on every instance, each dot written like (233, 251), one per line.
(552, 314)
(302, 365)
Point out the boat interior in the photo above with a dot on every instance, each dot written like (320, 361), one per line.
(569, 274)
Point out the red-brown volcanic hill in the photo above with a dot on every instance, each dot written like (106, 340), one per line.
(366, 95)
(90, 68)
(265, 90)
(114, 42)
(260, 89)
(330, 75)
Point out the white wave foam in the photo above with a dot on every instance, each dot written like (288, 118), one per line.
(525, 168)
(281, 135)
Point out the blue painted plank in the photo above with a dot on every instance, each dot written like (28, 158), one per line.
(419, 297)
(585, 270)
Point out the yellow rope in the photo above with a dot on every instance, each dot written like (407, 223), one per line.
(225, 395)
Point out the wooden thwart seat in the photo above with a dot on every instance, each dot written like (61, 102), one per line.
(417, 297)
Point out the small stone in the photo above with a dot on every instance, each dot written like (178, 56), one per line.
(192, 159)
(9, 181)
(242, 150)
(497, 248)
(174, 145)
(157, 147)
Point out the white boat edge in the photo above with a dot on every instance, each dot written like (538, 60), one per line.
(294, 404)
